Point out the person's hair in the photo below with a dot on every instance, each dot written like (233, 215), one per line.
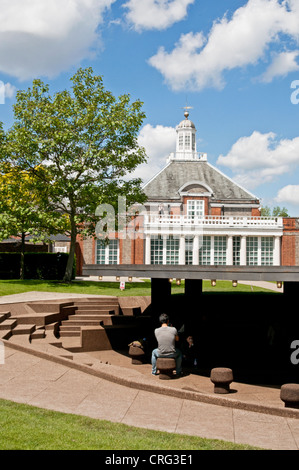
(163, 318)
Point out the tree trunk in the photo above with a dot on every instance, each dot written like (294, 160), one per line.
(22, 267)
(70, 262)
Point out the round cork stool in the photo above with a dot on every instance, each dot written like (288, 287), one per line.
(137, 355)
(221, 378)
(166, 366)
(289, 394)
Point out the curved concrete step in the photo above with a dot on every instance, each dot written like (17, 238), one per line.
(8, 324)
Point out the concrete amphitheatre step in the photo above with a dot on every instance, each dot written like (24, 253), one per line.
(94, 310)
(4, 316)
(74, 322)
(8, 324)
(113, 303)
(70, 331)
(97, 302)
(38, 334)
(91, 316)
(23, 329)
(111, 309)
(106, 319)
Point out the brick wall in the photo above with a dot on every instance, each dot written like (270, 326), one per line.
(216, 211)
(255, 212)
(125, 251)
(138, 250)
(79, 256)
(88, 250)
(290, 242)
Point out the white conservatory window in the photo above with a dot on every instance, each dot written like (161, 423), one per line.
(172, 250)
(157, 250)
(267, 245)
(189, 250)
(205, 251)
(220, 250)
(107, 253)
(252, 251)
(236, 251)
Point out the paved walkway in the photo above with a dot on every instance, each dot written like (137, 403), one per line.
(30, 379)
(105, 385)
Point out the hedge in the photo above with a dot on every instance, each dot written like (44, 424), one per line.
(44, 266)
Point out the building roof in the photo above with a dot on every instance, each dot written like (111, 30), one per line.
(168, 183)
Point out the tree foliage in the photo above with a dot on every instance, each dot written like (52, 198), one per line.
(21, 210)
(275, 212)
(78, 146)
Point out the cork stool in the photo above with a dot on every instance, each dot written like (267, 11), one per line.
(166, 366)
(137, 355)
(289, 394)
(221, 378)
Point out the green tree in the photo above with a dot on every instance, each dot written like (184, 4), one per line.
(86, 140)
(280, 212)
(276, 212)
(21, 211)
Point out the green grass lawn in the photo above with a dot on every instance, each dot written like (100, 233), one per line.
(24, 427)
(9, 287)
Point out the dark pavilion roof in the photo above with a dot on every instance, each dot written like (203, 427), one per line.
(166, 185)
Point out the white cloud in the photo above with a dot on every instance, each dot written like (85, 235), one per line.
(237, 42)
(158, 142)
(282, 64)
(45, 37)
(7, 91)
(289, 194)
(260, 158)
(156, 14)
(10, 90)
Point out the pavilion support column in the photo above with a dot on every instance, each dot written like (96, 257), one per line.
(160, 296)
(147, 249)
(229, 251)
(243, 251)
(290, 290)
(193, 294)
(193, 288)
(276, 251)
(195, 254)
(182, 250)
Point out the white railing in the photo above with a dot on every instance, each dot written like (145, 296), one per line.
(190, 156)
(212, 220)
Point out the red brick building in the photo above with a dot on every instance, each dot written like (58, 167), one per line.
(196, 215)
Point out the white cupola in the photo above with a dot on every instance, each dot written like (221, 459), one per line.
(186, 141)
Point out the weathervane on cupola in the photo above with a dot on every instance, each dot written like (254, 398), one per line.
(186, 113)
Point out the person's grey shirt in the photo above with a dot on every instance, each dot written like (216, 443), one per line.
(165, 336)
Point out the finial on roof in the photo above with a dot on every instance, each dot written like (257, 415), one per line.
(186, 113)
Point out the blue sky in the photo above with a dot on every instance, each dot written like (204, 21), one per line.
(236, 62)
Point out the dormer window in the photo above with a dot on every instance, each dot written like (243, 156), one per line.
(195, 208)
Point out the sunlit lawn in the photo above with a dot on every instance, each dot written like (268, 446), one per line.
(24, 427)
(9, 287)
